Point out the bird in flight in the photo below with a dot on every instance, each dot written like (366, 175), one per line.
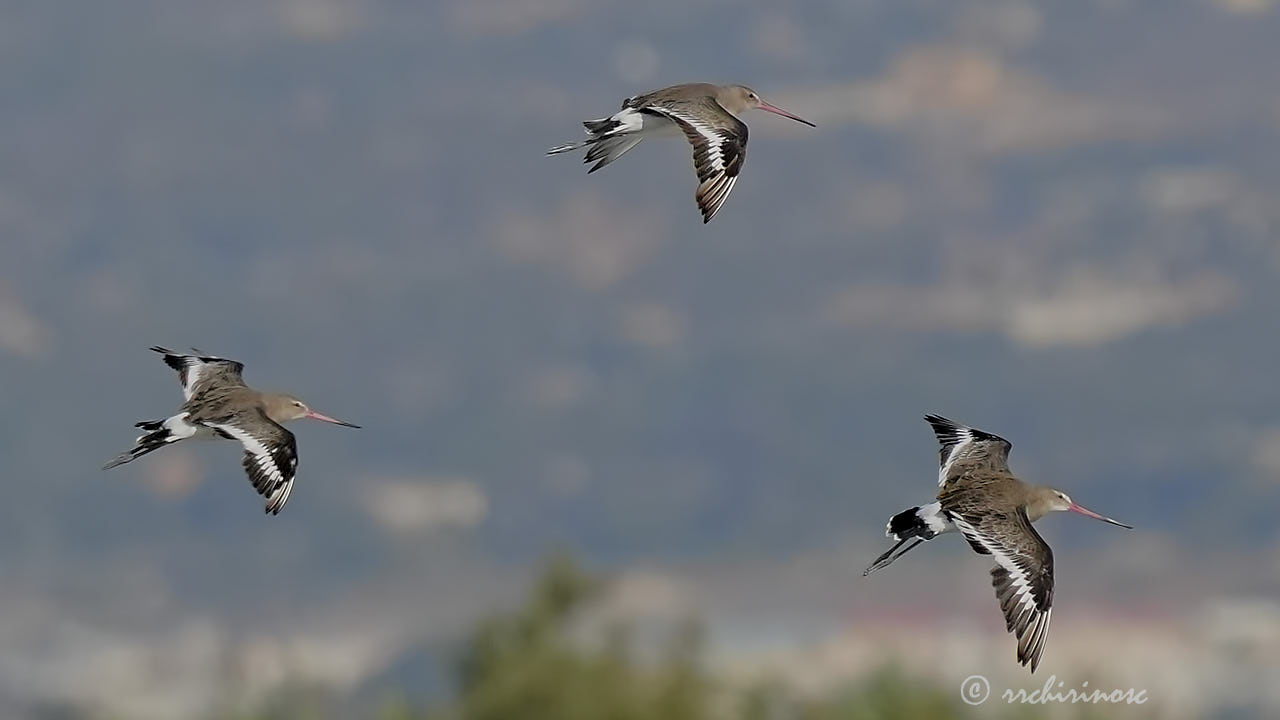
(705, 114)
(980, 498)
(218, 404)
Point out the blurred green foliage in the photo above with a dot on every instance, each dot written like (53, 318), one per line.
(548, 660)
(529, 664)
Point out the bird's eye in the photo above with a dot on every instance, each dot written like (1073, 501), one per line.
(297, 403)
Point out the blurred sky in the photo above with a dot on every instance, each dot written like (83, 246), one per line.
(1053, 221)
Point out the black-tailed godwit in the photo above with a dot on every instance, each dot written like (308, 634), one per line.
(706, 114)
(219, 404)
(979, 497)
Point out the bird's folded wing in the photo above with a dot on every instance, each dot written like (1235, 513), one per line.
(196, 372)
(1022, 577)
(719, 143)
(965, 448)
(270, 456)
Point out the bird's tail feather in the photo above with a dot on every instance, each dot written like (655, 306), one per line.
(601, 126)
(569, 147)
(907, 524)
(155, 437)
(610, 138)
(919, 523)
(609, 148)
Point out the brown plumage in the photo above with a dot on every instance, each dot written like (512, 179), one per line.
(981, 498)
(707, 116)
(217, 403)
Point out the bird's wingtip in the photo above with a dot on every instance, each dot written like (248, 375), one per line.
(941, 424)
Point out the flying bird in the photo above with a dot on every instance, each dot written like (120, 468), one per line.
(707, 116)
(218, 404)
(979, 497)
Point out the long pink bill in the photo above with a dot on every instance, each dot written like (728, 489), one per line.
(1085, 511)
(779, 111)
(317, 416)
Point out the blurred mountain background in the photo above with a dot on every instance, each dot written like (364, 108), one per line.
(1053, 221)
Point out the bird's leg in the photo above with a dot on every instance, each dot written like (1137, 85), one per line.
(890, 556)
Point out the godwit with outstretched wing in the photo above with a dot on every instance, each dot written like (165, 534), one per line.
(217, 403)
(707, 116)
(981, 498)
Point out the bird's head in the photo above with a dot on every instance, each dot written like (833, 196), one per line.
(283, 407)
(738, 98)
(1049, 500)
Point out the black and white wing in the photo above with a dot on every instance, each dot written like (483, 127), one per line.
(270, 455)
(965, 449)
(719, 143)
(197, 372)
(1022, 577)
